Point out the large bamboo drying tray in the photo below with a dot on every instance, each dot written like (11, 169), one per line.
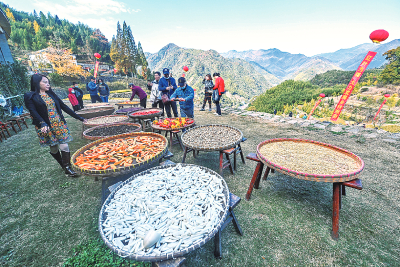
(91, 122)
(124, 111)
(163, 257)
(159, 128)
(314, 176)
(186, 135)
(86, 132)
(119, 170)
(89, 113)
(149, 116)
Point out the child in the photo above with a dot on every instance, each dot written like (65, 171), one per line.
(73, 100)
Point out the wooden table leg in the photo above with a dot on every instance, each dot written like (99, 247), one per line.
(221, 161)
(184, 155)
(259, 167)
(217, 244)
(19, 125)
(335, 210)
(170, 140)
(257, 182)
(267, 170)
(13, 127)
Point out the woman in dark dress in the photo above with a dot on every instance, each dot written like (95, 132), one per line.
(45, 108)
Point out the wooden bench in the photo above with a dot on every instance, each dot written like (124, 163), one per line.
(235, 151)
(255, 180)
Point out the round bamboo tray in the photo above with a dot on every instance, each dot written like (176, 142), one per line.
(186, 135)
(131, 103)
(95, 112)
(90, 123)
(311, 176)
(86, 132)
(119, 170)
(159, 128)
(149, 116)
(97, 104)
(124, 111)
(162, 257)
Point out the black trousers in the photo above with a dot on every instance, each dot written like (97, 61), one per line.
(95, 98)
(160, 105)
(80, 102)
(168, 106)
(207, 97)
(143, 102)
(76, 108)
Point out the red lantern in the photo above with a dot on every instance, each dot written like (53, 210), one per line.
(185, 68)
(378, 36)
(115, 71)
(386, 95)
(97, 55)
(322, 95)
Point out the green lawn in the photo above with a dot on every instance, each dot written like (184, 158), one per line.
(287, 222)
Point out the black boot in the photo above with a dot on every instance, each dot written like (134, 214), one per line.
(66, 159)
(57, 157)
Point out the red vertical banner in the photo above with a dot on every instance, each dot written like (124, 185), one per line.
(347, 92)
(96, 68)
(315, 106)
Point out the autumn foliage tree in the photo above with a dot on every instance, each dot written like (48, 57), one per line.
(64, 63)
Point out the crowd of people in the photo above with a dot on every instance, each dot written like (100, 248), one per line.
(164, 93)
(46, 107)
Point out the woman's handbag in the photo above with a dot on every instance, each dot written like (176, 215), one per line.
(165, 98)
(215, 96)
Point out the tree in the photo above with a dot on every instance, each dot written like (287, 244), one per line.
(36, 26)
(391, 73)
(142, 60)
(10, 15)
(391, 102)
(64, 63)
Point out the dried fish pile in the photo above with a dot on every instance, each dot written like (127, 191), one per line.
(309, 158)
(112, 130)
(211, 136)
(106, 120)
(164, 211)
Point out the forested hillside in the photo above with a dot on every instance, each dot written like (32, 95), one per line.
(241, 80)
(37, 31)
(334, 77)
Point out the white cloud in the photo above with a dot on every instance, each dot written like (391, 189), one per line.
(94, 13)
(81, 8)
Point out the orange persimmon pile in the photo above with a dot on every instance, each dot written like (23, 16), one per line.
(174, 123)
(117, 153)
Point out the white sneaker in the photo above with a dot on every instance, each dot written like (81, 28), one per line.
(215, 113)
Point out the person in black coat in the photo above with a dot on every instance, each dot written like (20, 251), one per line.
(78, 94)
(46, 107)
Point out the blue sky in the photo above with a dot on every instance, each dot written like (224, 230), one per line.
(308, 27)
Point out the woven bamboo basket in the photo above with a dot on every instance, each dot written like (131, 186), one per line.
(310, 176)
(95, 112)
(159, 128)
(162, 257)
(89, 123)
(119, 170)
(86, 132)
(149, 116)
(206, 148)
(124, 111)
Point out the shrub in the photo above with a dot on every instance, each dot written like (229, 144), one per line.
(364, 89)
(55, 78)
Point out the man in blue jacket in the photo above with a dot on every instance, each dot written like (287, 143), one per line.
(167, 86)
(185, 95)
(92, 88)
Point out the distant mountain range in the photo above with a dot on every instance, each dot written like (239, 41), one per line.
(350, 58)
(242, 81)
(284, 65)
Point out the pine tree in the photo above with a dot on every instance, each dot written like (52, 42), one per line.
(132, 50)
(43, 19)
(143, 61)
(10, 15)
(35, 14)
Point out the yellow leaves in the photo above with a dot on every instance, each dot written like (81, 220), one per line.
(10, 15)
(65, 63)
(36, 26)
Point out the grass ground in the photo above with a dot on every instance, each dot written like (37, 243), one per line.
(287, 222)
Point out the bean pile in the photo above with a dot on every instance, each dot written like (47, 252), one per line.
(211, 137)
(106, 120)
(309, 158)
(112, 130)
